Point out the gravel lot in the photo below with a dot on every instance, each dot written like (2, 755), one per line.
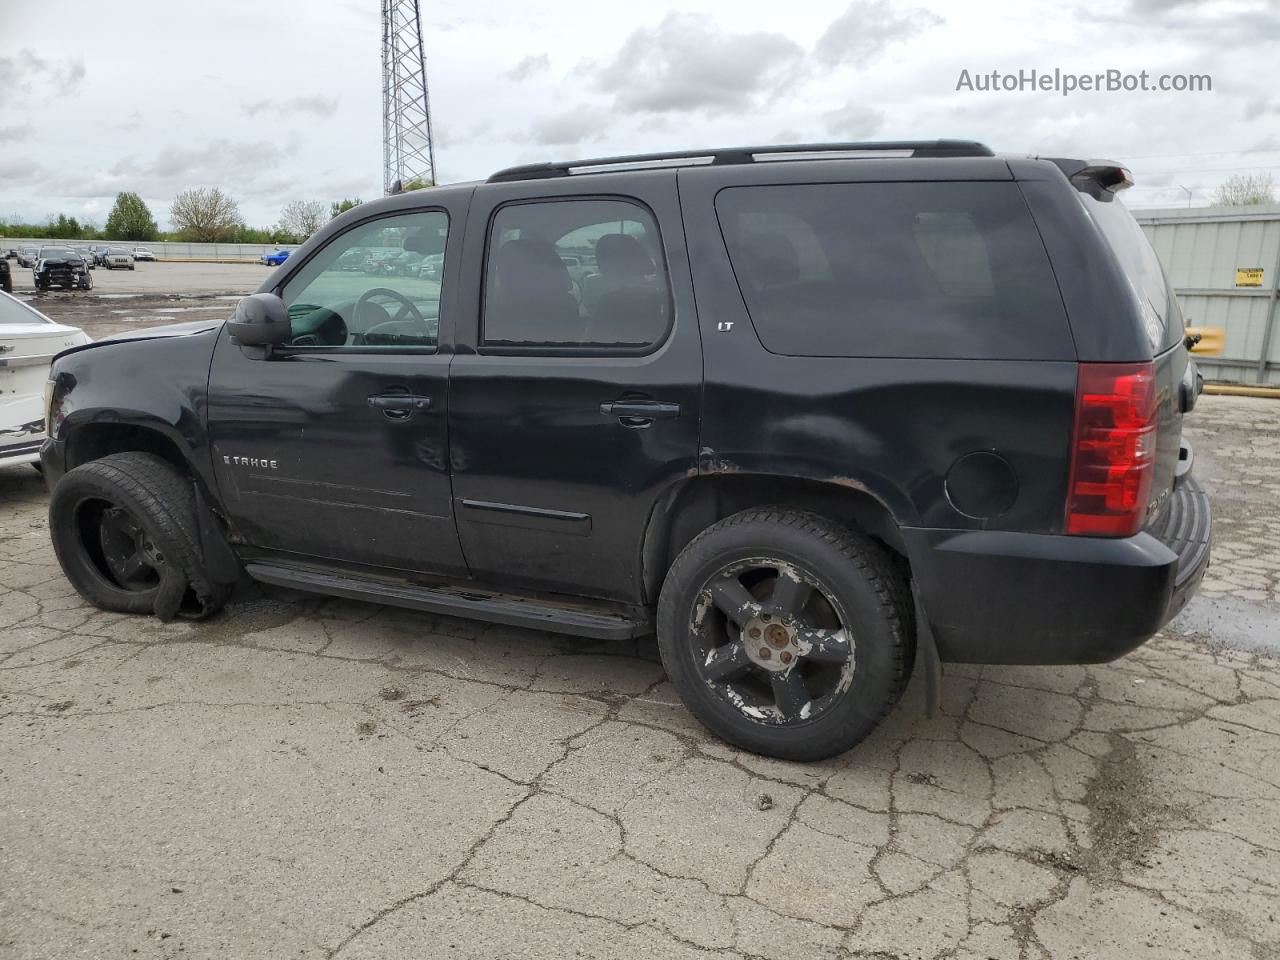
(315, 778)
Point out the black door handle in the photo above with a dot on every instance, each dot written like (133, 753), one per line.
(647, 410)
(399, 401)
(399, 406)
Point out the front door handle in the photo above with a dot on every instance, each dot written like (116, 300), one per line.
(640, 412)
(399, 406)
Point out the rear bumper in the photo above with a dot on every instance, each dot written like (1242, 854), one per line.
(1000, 597)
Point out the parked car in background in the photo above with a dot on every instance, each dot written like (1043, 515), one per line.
(28, 342)
(142, 253)
(117, 258)
(352, 260)
(432, 267)
(274, 259)
(27, 255)
(61, 267)
(11, 253)
(6, 277)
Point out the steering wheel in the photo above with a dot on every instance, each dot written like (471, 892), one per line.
(407, 311)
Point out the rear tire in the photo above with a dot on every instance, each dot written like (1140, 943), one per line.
(125, 531)
(825, 599)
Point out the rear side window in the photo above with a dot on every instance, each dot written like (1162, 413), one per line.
(945, 270)
(575, 276)
(1161, 318)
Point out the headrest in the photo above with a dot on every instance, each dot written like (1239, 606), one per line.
(425, 240)
(620, 255)
(531, 266)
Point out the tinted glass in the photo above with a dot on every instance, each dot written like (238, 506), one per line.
(894, 269)
(11, 311)
(377, 286)
(575, 274)
(1161, 318)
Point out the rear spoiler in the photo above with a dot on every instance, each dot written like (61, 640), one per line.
(1101, 179)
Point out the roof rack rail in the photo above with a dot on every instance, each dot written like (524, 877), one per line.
(730, 155)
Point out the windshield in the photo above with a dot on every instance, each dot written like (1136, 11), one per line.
(46, 252)
(1161, 318)
(117, 252)
(12, 311)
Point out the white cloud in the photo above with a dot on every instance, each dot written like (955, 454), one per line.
(867, 28)
(315, 105)
(687, 63)
(530, 66)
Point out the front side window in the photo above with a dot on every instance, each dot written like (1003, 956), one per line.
(376, 286)
(566, 275)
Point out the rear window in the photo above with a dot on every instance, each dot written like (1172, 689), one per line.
(12, 311)
(1161, 318)
(946, 270)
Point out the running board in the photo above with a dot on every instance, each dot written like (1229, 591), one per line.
(508, 609)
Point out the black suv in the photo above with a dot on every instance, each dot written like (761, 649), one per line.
(808, 412)
(61, 267)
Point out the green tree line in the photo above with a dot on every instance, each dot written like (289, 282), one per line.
(198, 215)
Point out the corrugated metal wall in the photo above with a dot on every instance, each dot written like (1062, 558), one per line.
(1202, 248)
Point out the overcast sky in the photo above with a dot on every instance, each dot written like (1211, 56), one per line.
(281, 101)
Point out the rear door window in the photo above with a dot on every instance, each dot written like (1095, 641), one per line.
(575, 275)
(946, 270)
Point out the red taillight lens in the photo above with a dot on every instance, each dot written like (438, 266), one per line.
(1114, 451)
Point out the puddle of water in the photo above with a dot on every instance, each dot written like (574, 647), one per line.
(1232, 622)
(116, 296)
(186, 309)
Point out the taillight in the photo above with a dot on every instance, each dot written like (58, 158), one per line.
(1113, 455)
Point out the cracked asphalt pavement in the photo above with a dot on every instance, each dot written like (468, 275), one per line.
(313, 778)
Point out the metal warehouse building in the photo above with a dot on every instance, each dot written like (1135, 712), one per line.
(1224, 263)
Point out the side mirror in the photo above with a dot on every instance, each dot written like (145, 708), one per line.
(261, 320)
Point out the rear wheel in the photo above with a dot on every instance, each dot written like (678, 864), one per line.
(124, 530)
(785, 633)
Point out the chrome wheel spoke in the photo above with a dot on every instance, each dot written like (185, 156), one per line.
(789, 594)
(789, 693)
(727, 662)
(824, 646)
(732, 599)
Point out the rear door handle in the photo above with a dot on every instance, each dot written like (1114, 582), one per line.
(648, 410)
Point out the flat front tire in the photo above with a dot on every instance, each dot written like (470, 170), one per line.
(786, 633)
(126, 534)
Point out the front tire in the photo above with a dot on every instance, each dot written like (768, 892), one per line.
(125, 531)
(786, 633)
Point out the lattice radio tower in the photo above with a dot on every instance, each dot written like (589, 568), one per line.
(407, 151)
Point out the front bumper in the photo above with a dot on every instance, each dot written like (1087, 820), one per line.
(1000, 597)
(61, 276)
(53, 461)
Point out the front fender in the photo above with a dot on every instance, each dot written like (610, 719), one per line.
(158, 385)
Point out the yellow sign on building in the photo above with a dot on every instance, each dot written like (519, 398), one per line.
(1248, 276)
